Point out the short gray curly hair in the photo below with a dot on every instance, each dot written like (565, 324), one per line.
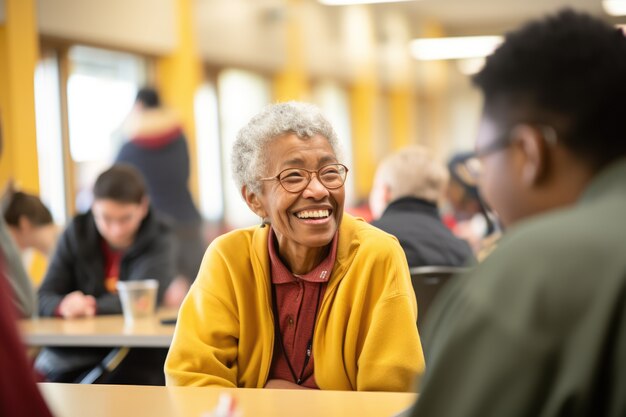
(303, 119)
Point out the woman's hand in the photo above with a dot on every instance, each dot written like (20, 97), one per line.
(282, 384)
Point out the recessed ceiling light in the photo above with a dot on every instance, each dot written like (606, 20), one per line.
(430, 49)
(614, 7)
(351, 2)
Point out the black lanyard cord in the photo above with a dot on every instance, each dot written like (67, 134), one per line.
(278, 335)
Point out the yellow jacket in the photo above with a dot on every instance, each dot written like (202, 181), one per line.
(365, 336)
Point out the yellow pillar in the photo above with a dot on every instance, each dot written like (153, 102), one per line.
(5, 169)
(363, 96)
(291, 82)
(19, 51)
(359, 46)
(435, 82)
(399, 70)
(179, 76)
(401, 108)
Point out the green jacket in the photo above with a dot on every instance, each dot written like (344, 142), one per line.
(539, 328)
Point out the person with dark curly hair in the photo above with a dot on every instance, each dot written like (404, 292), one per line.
(539, 328)
(120, 239)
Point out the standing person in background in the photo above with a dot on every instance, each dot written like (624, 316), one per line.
(30, 222)
(119, 239)
(539, 327)
(408, 187)
(157, 147)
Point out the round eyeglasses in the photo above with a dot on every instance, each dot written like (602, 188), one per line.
(471, 168)
(295, 180)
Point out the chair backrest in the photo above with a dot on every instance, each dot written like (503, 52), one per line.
(427, 282)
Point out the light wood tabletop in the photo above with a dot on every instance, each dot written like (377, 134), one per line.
(103, 331)
(77, 400)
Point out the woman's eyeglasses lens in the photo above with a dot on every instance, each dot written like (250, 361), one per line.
(331, 176)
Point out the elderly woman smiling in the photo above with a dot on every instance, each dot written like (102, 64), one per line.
(315, 299)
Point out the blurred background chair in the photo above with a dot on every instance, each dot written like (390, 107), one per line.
(427, 282)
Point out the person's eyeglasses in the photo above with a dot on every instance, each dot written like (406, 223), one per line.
(471, 168)
(294, 180)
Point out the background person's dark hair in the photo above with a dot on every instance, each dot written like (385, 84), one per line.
(121, 183)
(20, 204)
(149, 97)
(569, 71)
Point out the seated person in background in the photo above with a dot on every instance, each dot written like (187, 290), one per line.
(539, 328)
(118, 239)
(313, 298)
(22, 290)
(19, 395)
(408, 186)
(467, 215)
(30, 222)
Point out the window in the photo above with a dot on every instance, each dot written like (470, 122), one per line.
(209, 153)
(49, 137)
(100, 92)
(334, 102)
(242, 94)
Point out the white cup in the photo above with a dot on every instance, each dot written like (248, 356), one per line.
(138, 298)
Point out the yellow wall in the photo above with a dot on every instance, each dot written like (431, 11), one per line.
(178, 77)
(37, 268)
(362, 105)
(291, 82)
(401, 115)
(4, 104)
(19, 51)
(435, 83)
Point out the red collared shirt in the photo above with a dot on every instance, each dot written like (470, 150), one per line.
(296, 301)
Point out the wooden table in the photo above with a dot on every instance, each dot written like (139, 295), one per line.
(71, 400)
(99, 331)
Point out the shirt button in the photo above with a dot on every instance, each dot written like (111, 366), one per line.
(290, 321)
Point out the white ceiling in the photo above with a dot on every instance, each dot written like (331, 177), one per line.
(460, 17)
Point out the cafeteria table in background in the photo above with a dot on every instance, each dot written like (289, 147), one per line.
(99, 331)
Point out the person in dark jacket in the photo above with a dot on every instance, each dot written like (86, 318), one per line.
(157, 147)
(539, 327)
(407, 188)
(119, 239)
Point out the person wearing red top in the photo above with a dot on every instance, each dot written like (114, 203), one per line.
(19, 396)
(119, 239)
(313, 298)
